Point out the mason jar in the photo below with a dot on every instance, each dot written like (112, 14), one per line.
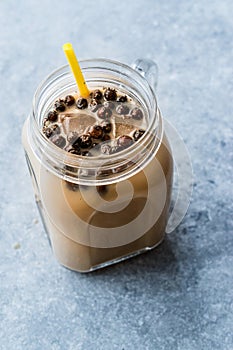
(87, 228)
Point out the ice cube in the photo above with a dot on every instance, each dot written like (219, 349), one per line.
(123, 126)
(76, 122)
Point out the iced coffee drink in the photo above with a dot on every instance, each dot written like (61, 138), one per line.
(101, 166)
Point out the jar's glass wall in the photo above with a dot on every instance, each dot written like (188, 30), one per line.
(89, 229)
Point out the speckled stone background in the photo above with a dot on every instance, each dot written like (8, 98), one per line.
(179, 296)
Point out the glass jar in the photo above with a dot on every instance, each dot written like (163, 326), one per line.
(89, 228)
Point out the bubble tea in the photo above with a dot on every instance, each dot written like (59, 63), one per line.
(101, 165)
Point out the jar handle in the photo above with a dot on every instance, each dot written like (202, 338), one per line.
(148, 69)
(183, 166)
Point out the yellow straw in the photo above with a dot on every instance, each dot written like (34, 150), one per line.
(76, 70)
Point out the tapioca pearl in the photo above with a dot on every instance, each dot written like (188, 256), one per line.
(136, 113)
(97, 94)
(107, 126)
(83, 141)
(95, 105)
(81, 103)
(51, 130)
(122, 98)
(104, 113)
(124, 141)
(109, 104)
(73, 150)
(138, 134)
(69, 100)
(122, 110)
(96, 132)
(52, 116)
(110, 94)
(59, 105)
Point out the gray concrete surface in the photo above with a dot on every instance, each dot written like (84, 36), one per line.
(180, 295)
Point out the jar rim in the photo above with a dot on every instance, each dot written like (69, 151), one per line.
(56, 159)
